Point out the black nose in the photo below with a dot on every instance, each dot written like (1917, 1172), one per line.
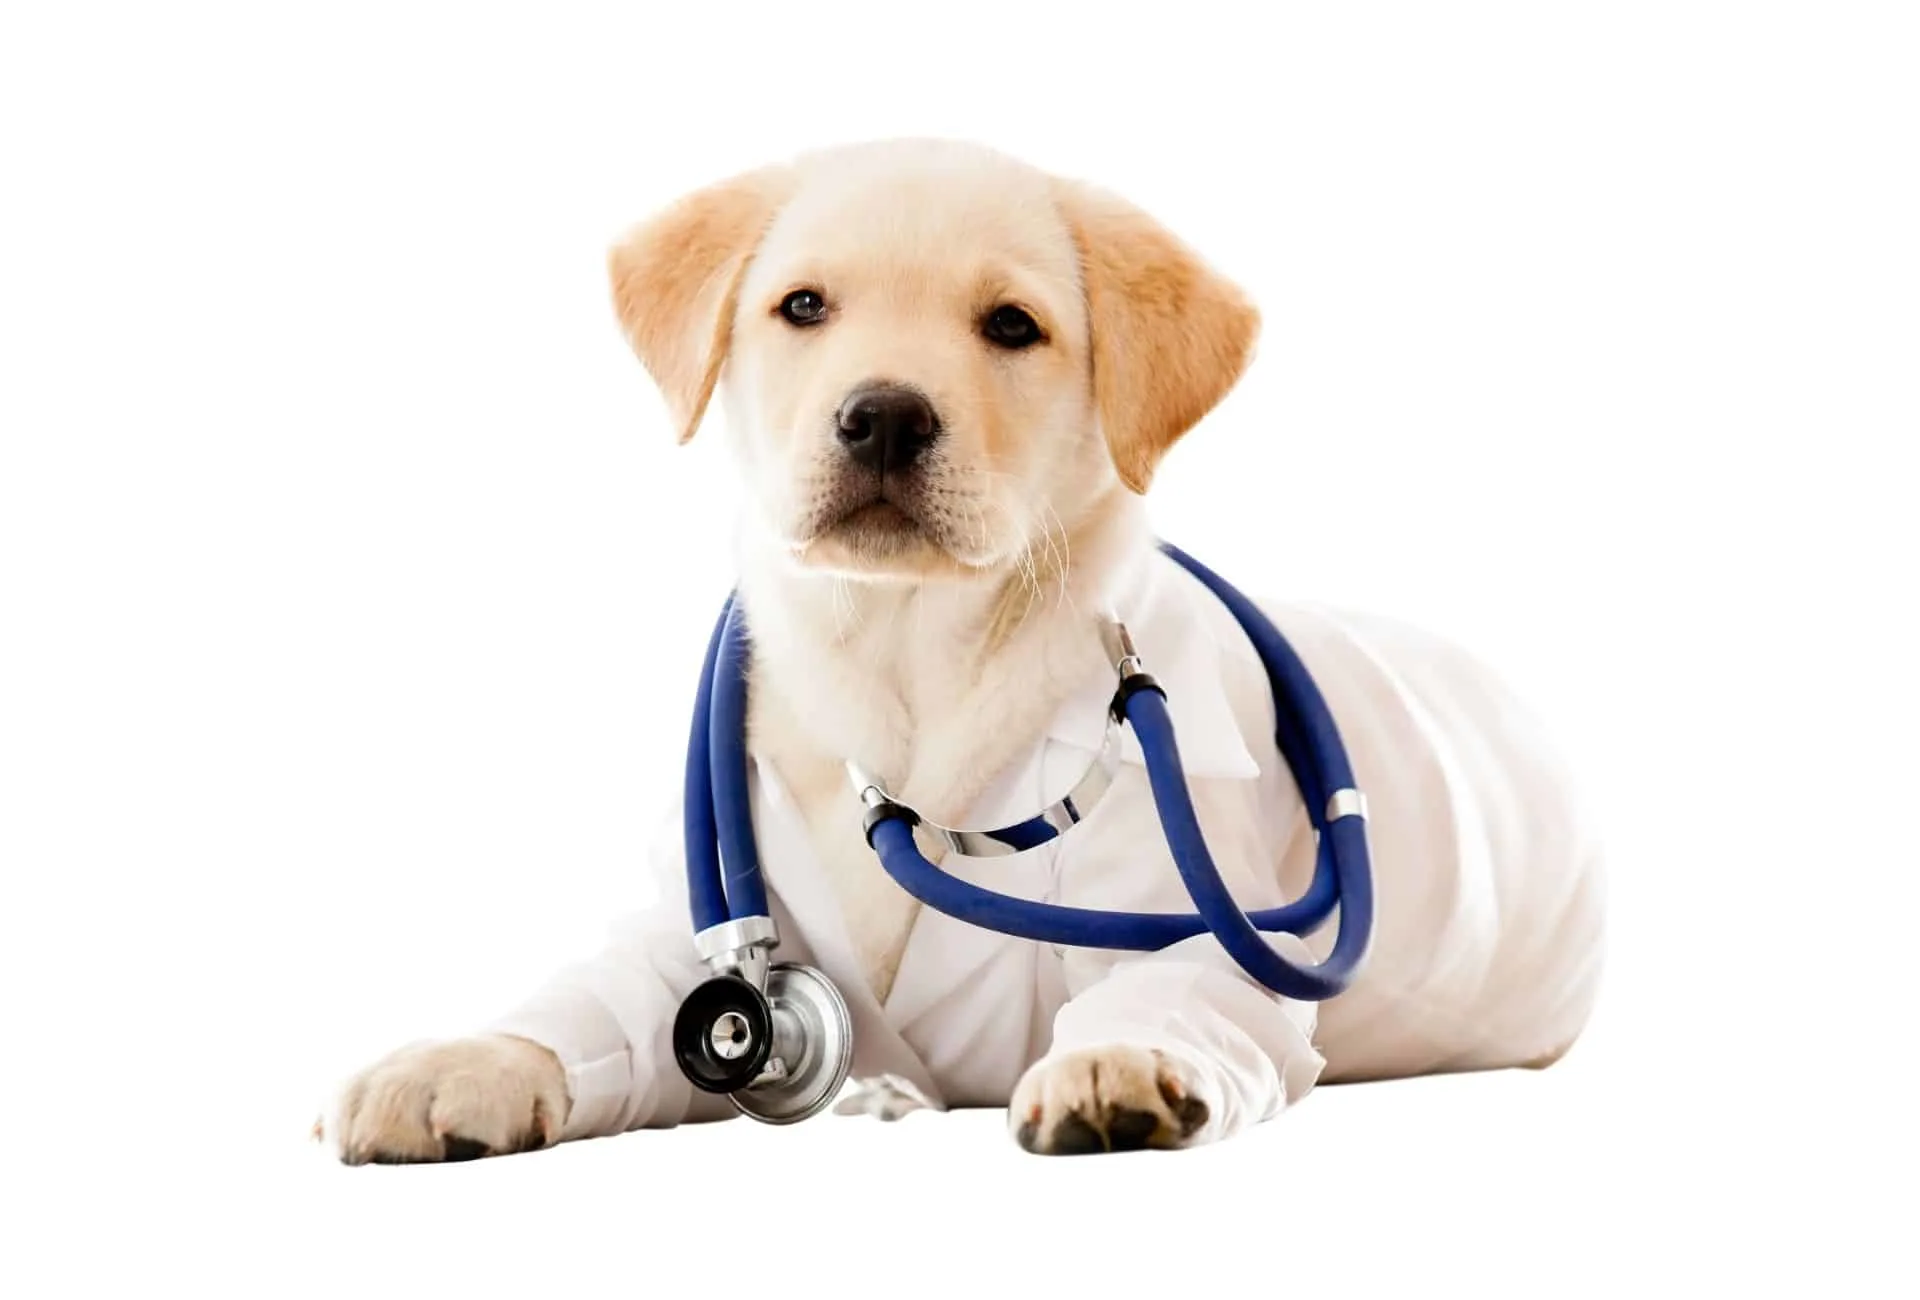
(886, 427)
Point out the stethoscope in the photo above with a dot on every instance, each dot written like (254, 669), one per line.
(776, 1036)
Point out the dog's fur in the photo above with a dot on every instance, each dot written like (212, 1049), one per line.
(901, 629)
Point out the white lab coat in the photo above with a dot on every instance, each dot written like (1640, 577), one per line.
(1486, 943)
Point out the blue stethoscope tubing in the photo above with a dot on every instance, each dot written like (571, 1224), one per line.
(723, 865)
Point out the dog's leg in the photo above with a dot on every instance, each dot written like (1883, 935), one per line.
(1113, 1098)
(586, 1057)
(451, 1100)
(1168, 1050)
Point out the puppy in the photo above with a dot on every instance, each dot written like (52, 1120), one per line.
(949, 379)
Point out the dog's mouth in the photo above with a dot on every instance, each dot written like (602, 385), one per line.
(879, 527)
(879, 524)
(880, 516)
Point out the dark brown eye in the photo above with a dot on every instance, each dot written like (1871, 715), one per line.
(1009, 327)
(803, 307)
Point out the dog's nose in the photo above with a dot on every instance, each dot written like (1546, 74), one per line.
(886, 427)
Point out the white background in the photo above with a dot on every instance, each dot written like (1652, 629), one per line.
(351, 590)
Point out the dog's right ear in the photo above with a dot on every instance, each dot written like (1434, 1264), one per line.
(1170, 334)
(676, 280)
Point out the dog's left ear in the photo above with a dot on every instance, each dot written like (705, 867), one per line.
(676, 281)
(1170, 335)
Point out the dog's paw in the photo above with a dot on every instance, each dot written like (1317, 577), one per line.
(1106, 1099)
(454, 1100)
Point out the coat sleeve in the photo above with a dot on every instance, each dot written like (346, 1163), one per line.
(1250, 1050)
(610, 1018)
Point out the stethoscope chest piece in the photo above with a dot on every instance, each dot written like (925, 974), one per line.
(780, 1055)
(723, 1034)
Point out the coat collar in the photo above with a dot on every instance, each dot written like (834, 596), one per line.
(1186, 639)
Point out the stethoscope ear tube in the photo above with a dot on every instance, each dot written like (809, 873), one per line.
(732, 802)
(1309, 739)
(706, 894)
(1147, 713)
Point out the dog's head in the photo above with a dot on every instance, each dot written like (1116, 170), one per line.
(932, 354)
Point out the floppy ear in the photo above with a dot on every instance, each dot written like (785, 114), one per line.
(1170, 336)
(676, 280)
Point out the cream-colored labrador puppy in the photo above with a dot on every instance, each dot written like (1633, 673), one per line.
(949, 378)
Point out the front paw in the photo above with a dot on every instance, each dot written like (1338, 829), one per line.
(454, 1100)
(1107, 1099)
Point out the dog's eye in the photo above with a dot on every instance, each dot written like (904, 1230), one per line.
(1009, 327)
(803, 307)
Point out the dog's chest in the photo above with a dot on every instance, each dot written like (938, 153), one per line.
(878, 914)
(939, 764)
(930, 711)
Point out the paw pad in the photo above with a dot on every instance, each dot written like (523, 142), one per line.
(1116, 1099)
